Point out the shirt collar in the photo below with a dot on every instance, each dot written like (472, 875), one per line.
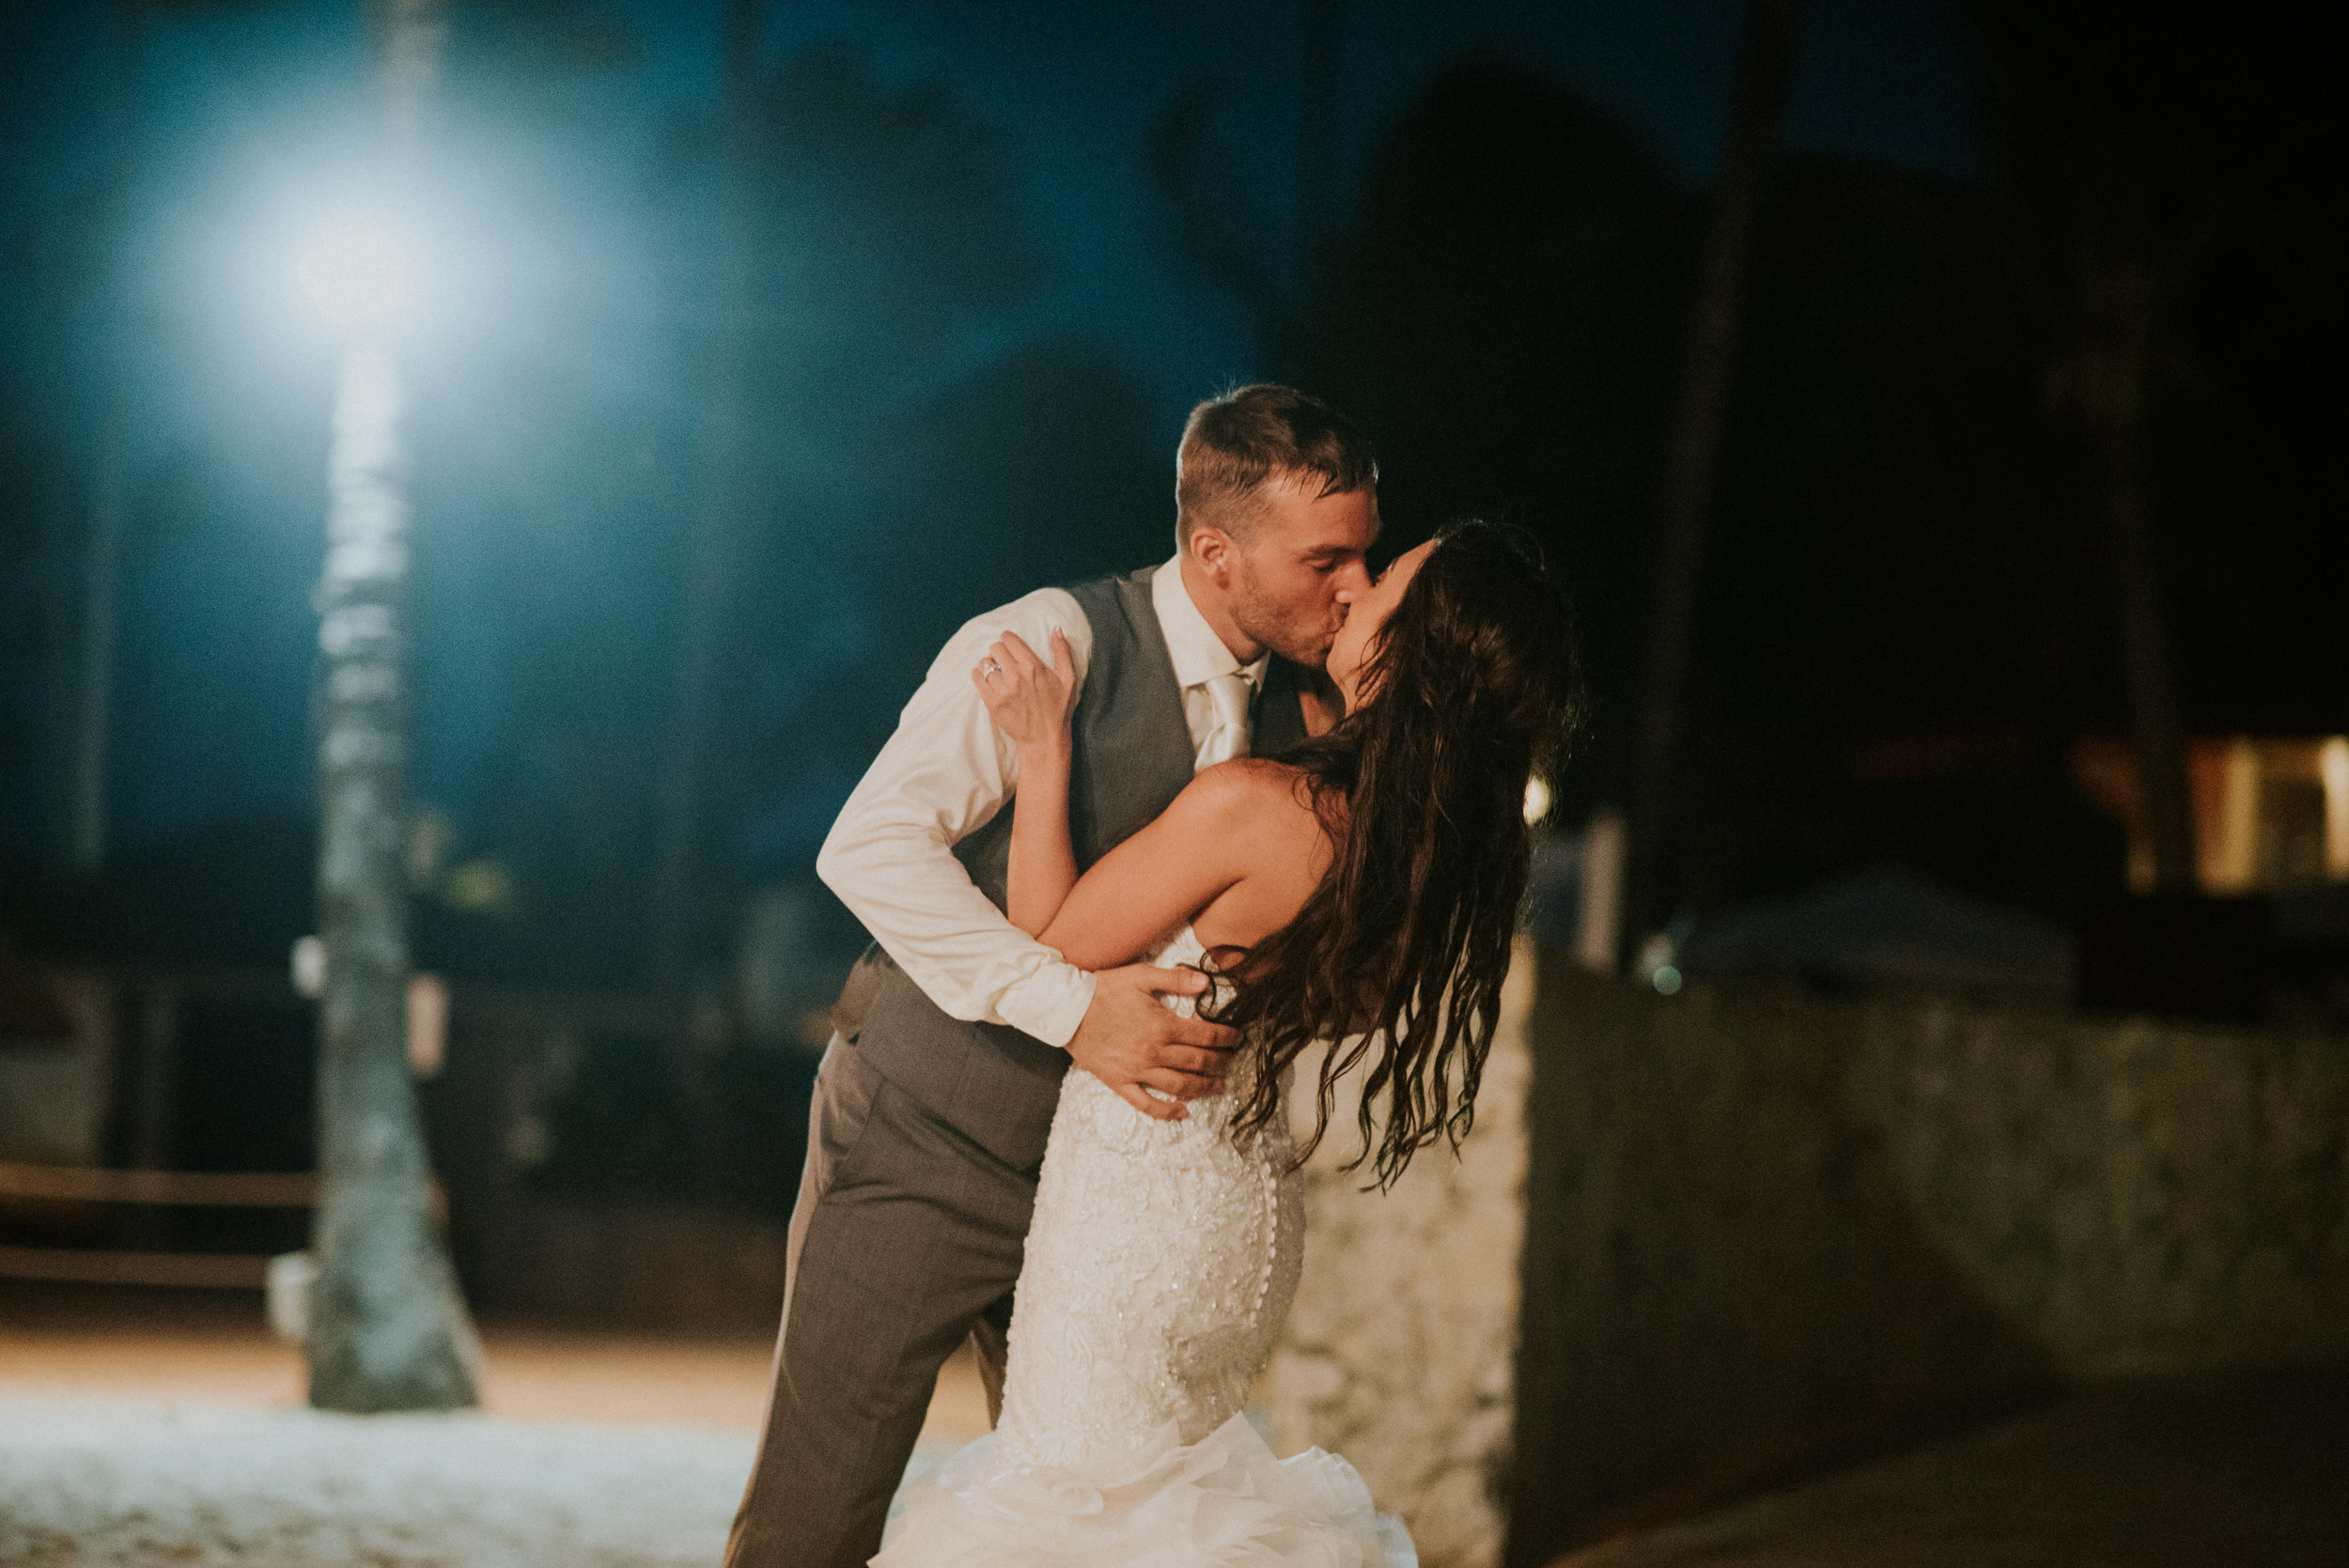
(1199, 654)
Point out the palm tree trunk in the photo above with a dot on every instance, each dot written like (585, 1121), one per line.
(388, 1330)
(1764, 73)
(2122, 300)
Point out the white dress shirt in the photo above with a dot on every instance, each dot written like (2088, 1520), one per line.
(945, 773)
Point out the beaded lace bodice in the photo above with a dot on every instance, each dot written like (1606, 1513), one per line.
(1160, 1262)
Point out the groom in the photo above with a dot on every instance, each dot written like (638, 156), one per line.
(934, 1100)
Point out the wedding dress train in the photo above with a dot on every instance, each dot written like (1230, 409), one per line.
(1160, 1262)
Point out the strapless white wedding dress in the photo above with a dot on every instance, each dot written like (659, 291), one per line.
(1160, 1262)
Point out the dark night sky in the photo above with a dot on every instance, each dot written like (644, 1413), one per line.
(1067, 89)
(1070, 90)
(248, 123)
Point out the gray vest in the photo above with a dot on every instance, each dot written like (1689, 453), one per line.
(1132, 755)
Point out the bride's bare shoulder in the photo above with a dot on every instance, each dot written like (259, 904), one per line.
(1248, 798)
(1247, 785)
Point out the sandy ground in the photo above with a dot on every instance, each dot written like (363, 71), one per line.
(140, 1428)
(91, 1480)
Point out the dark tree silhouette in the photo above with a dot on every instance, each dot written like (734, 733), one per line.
(1689, 477)
(886, 467)
(2091, 111)
(890, 466)
(1885, 500)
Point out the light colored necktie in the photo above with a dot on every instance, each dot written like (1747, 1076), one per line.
(1227, 736)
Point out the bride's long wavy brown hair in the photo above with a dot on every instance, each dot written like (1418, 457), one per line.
(1398, 955)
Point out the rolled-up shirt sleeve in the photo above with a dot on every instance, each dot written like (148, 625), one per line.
(944, 775)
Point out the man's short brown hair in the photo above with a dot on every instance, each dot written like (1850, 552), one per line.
(1234, 445)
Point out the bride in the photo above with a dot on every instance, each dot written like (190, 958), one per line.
(1360, 888)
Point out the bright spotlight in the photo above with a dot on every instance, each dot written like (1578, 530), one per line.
(353, 278)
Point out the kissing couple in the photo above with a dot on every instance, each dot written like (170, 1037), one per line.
(1260, 803)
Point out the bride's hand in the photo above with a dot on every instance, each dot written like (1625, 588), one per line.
(1030, 701)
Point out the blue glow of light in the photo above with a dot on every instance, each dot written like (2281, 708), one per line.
(355, 277)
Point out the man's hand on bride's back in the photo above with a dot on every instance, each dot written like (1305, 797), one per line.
(1129, 1038)
(1030, 700)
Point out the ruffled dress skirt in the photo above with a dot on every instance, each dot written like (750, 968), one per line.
(1224, 1500)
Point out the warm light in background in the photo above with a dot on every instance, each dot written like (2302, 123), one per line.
(1536, 799)
(2271, 811)
(356, 278)
(2332, 765)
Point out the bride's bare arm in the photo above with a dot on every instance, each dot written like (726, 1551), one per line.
(1234, 823)
(1238, 822)
(1032, 702)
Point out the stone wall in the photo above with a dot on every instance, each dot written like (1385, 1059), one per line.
(1768, 1233)
(1400, 1352)
(2136, 1197)
(1701, 1243)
